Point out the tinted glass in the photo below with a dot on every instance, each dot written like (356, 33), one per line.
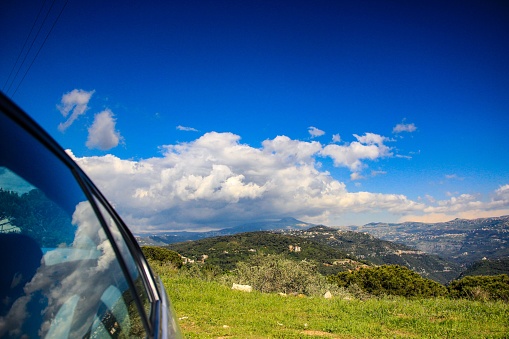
(60, 275)
(139, 283)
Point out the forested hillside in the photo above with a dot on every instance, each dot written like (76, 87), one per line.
(227, 251)
(488, 267)
(334, 251)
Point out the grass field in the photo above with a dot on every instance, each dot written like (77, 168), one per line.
(211, 310)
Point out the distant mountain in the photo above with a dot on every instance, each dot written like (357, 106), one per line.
(460, 240)
(161, 239)
(282, 224)
(367, 247)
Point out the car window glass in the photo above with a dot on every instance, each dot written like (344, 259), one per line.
(132, 267)
(60, 275)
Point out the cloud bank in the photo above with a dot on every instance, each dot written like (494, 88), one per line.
(216, 181)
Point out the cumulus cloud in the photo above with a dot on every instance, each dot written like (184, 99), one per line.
(216, 181)
(369, 146)
(336, 138)
(289, 150)
(186, 129)
(73, 104)
(315, 132)
(102, 134)
(404, 128)
(501, 194)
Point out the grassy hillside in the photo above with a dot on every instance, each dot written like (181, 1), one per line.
(210, 310)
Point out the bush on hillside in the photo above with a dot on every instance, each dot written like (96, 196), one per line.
(162, 255)
(275, 273)
(481, 288)
(207, 272)
(390, 280)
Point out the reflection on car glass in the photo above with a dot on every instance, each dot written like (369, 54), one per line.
(27, 210)
(69, 282)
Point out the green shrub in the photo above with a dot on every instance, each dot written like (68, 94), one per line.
(275, 273)
(162, 255)
(481, 288)
(207, 272)
(389, 280)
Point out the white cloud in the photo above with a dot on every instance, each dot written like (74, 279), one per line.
(367, 147)
(404, 128)
(186, 129)
(375, 173)
(502, 194)
(371, 139)
(315, 132)
(430, 198)
(216, 181)
(453, 177)
(356, 176)
(336, 138)
(76, 102)
(466, 206)
(289, 150)
(102, 134)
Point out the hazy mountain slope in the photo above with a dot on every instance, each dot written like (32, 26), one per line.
(461, 240)
(377, 251)
(174, 237)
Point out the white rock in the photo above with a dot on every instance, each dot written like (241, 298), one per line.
(244, 288)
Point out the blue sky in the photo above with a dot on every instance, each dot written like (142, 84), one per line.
(206, 114)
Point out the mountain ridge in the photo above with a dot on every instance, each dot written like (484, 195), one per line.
(458, 241)
(463, 241)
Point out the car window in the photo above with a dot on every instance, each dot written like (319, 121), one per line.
(140, 284)
(61, 276)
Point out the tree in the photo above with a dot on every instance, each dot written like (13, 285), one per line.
(390, 280)
(481, 287)
(276, 273)
(162, 255)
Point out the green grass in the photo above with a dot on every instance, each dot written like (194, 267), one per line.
(211, 310)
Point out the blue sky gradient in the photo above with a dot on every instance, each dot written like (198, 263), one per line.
(214, 113)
